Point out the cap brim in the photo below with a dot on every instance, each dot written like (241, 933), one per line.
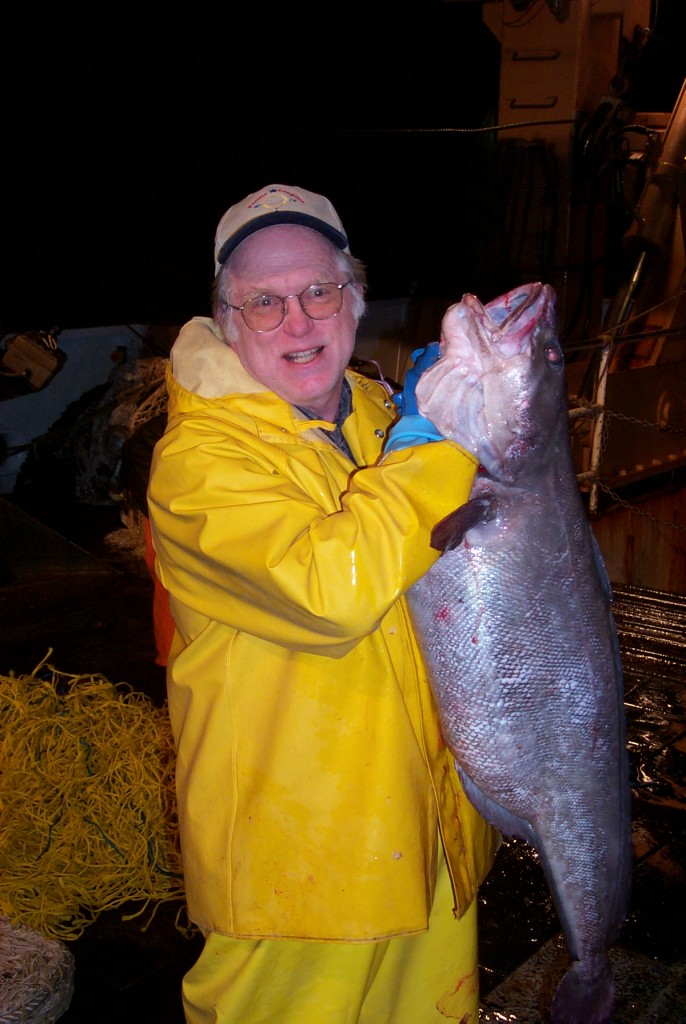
(268, 220)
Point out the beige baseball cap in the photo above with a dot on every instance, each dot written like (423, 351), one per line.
(276, 204)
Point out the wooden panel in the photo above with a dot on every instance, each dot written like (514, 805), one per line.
(645, 546)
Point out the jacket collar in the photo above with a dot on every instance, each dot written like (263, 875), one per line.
(204, 364)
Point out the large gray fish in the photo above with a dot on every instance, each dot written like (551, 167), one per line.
(515, 623)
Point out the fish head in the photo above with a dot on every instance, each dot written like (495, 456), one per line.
(498, 386)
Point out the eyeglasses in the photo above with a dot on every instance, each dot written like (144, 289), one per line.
(267, 312)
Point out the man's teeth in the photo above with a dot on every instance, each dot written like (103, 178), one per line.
(303, 357)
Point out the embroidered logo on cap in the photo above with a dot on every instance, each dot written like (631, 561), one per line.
(274, 199)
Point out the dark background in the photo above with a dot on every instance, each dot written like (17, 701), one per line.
(124, 140)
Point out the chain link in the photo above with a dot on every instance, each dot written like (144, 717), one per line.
(581, 403)
(634, 508)
(594, 478)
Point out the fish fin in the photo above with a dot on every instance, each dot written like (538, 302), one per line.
(495, 814)
(580, 998)
(600, 566)
(622, 889)
(450, 532)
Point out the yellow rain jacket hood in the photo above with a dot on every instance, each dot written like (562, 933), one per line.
(311, 774)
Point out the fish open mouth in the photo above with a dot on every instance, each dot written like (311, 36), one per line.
(508, 321)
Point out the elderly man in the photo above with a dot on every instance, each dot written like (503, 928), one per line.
(331, 858)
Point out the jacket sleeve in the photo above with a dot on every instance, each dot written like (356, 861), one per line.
(263, 543)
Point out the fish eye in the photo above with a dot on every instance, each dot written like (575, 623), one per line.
(553, 355)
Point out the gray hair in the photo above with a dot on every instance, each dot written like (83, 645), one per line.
(348, 265)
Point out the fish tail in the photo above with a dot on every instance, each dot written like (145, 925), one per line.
(579, 999)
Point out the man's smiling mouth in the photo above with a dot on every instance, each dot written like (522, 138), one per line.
(304, 357)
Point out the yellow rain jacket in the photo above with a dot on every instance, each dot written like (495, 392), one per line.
(311, 774)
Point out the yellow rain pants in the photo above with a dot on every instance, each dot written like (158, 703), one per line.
(429, 978)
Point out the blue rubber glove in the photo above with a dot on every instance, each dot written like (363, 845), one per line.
(413, 428)
(422, 359)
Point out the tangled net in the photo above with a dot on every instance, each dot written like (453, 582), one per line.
(37, 976)
(87, 805)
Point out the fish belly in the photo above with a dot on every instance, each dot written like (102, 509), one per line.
(522, 657)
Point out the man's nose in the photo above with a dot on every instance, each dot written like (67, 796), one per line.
(296, 321)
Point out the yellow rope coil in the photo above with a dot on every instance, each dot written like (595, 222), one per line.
(87, 804)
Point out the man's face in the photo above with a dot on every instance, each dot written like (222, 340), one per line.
(302, 360)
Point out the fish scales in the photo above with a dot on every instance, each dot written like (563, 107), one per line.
(516, 627)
